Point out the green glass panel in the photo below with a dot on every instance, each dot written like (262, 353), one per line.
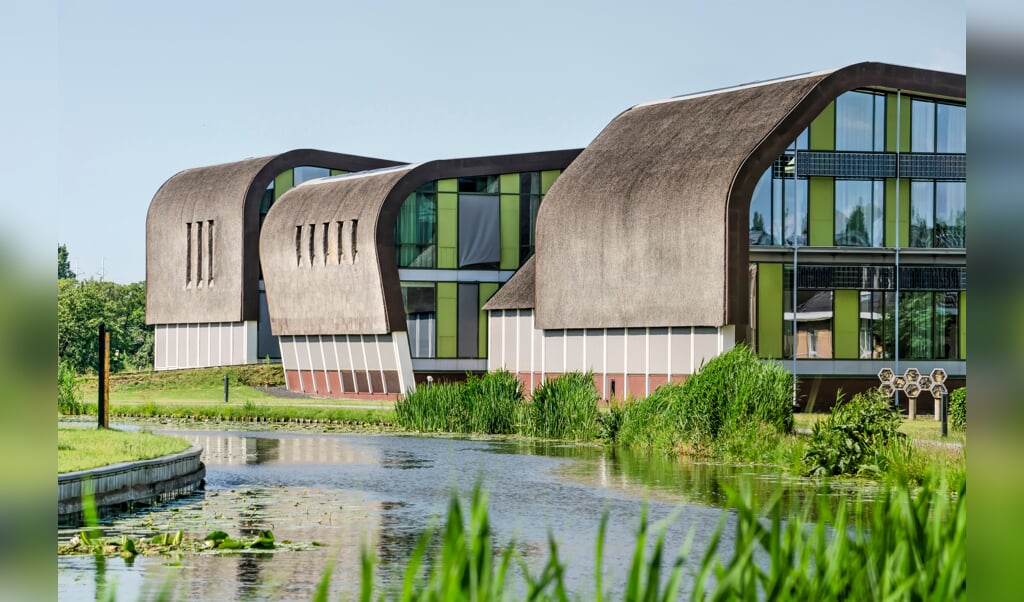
(769, 309)
(822, 193)
(823, 129)
(509, 221)
(447, 319)
(447, 229)
(338, 172)
(847, 323)
(547, 178)
(487, 290)
(904, 124)
(963, 325)
(449, 185)
(283, 183)
(890, 212)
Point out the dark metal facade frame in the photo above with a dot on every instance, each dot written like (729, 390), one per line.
(862, 75)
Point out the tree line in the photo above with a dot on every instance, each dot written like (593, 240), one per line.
(82, 305)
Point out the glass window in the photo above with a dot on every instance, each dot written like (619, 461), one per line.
(773, 218)
(416, 229)
(922, 126)
(950, 128)
(860, 122)
(529, 204)
(420, 317)
(876, 330)
(859, 213)
(938, 214)
(306, 172)
(479, 231)
(814, 324)
(483, 184)
(801, 140)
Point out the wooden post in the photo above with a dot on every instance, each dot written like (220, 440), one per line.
(945, 413)
(103, 372)
(225, 388)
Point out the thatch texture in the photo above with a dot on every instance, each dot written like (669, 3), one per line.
(517, 293)
(648, 227)
(230, 195)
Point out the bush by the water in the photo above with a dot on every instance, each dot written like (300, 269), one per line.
(492, 403)
(734, 392)
(565, 408)
(958, 409)
(860, 436)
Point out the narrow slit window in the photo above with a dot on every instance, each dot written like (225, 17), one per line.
(324, 241)
(355, 226)
(188, 253)
(199, 252)
(298, 245)
(312, 245)
(209, 251)
(341, 246)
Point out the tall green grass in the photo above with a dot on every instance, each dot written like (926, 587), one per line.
(565, 408)
(434, 408)
(734, 397)
(901, 546)
(493, 402)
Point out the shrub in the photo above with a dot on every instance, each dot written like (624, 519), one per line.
(958, 409)
(860, 436)
(565, 408)
(493, 402)
(437, 407)
(69, 390)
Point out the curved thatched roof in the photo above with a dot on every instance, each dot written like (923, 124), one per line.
(230, 195)
(517, 293)
(364, 296)
(648, 227)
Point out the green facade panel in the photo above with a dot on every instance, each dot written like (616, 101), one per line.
(338, 172)
(963, 325)
(449, 185)
(547, 178)
(823, 129)
(284, 182)
(509, 221)
(846, 308)
(821, 206)
(487, 290)
(769, 310)
(447, 229)
(890, 212)
(447, 319)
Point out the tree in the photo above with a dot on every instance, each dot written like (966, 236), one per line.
(63, 264)
(83, 305)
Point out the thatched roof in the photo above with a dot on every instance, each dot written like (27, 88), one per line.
(648, 227)
(230, 195)
(363, 297)
(517, 293)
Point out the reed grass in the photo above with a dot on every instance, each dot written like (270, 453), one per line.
(565, 408)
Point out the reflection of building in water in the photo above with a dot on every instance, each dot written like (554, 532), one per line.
(225, 450)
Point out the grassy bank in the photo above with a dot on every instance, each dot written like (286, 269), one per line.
(81, 449)
(251, 412)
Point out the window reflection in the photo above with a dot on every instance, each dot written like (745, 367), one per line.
(860, 122)
(813, 324)
(859, 213)
(938, 214)
(777, 206)
(416, 229)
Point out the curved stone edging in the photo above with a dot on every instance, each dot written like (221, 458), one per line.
(132, 482)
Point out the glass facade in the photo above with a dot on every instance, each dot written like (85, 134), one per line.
(814, 313)
(860, 122)
(859, 213)
(937, 127)
(938, 214)
(471, 233)
(778, 204)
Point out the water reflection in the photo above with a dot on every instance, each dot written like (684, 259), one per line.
(347, 491)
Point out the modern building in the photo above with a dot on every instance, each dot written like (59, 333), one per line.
(204, 290)
(672, 237)
(375, 280)
(676, 233)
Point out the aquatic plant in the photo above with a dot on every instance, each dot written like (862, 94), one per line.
(860, 436)
(565, 408)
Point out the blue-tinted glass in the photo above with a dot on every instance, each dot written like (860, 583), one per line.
(879, 137)
(306, 173)
(951, 214)
(761, 211)
(922, 126)
(777, 194)
(951, 129)
(801, 141)
(416, 231)
(790, 216)
(855, 124)
(922, 203)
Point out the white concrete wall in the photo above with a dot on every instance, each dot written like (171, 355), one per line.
(177, 346)
(362, 359)
(666, 353)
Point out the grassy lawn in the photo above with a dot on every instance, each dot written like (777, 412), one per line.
(923, 427)
(82, 448)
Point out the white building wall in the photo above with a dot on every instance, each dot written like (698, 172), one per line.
(204, 345)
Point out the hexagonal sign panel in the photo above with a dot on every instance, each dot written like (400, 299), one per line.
(887, 389)
(912, 374)
(938, 375)
(899, 382)
(885, 375)
(938, 389)
(912, 390)
(925, 382)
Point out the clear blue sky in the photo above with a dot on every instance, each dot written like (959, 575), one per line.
(144, 90)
